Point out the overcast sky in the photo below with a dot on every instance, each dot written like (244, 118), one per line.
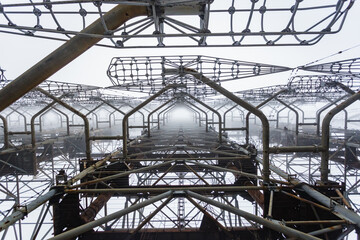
(18, 53)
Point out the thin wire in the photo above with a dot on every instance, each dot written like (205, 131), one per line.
(334, 54)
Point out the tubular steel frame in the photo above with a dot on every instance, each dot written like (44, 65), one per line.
(204, 176)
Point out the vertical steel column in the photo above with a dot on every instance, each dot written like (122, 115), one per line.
(247, 106)
(325, 134)
(6, 134)
(86, 122)
(67, 52)
(318, 112)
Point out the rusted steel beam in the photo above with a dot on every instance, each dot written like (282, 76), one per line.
(94, 208)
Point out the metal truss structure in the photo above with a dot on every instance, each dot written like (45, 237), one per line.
(348, 67)
(273, 163)
(180, 179)
(194, 23)
(150, 74)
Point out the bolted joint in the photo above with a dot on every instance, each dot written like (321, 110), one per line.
(176, 194)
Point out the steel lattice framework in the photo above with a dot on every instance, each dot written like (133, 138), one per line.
(345, 67)
(150, 74)
(194, 23)
(78, 161)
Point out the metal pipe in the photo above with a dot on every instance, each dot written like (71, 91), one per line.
(158, 117)
(247, 106)
(67, 120)
(258, 107)
(134, 110)
(39, 224)
(314, 149)
(211, 109)
(315, 222)
(88, 226)
(70, 108)
(142, 114)
(126, 173)
(21, 114)
(234, 129)
(95, 138)
(152, 112)
(67, 52)
(267, 223)
(206, 116)
(217, 109)
(296, 118)
(203, 210)
(42, 115)
(113, 107)
(6, 133)
(271, 204)
(335, 208)
(96, 117)
(151, 215)
(326, 230)
(318, 112)
(224, 115)
(195, 112)
(24, 211)
(346, 232)
(325, 134)
(96, 205)
(92, 168)
(156, 190)
(32, 121)
(166, 115)
(278, 116)
(345, 201)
